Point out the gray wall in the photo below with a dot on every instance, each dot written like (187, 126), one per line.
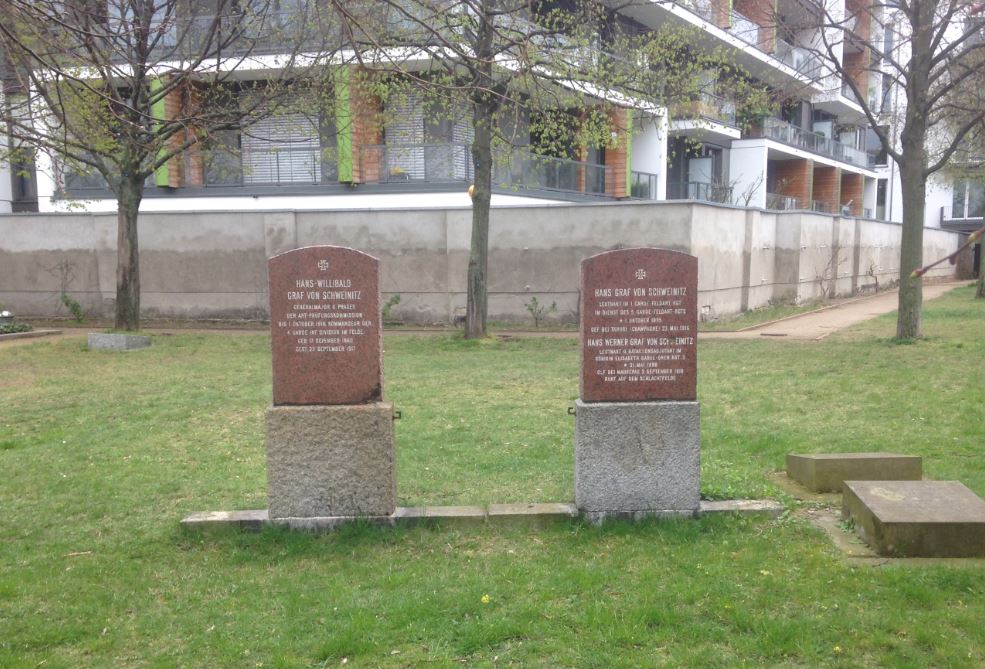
(211, 264)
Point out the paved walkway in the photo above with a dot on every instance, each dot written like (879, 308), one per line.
(816, 325)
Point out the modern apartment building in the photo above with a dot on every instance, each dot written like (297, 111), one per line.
(815, 153)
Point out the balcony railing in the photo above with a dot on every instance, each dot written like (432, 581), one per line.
(973, 213)
(847, 92)
(710, 106)
(643, 185)
(822, 207)
(781, 131)
(799, 59)
(267, 166)
(441, 163)
(778, 202)
(702, 8)
(744, 28)
(703, 192)
(429, 163)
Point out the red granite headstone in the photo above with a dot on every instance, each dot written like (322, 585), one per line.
(639, 326)
(325, 326)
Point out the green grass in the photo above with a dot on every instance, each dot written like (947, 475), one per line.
(102, 453)
(759, 316)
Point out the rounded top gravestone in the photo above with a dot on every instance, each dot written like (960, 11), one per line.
(325, 326)
(639, 326)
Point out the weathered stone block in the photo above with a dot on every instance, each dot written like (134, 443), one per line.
(331, 460)
(917, 518)
(103, 341)
(637, 456)
(825, 472)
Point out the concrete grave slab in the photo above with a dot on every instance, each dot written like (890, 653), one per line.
(917, 518)
(104, 341)
(825, 472)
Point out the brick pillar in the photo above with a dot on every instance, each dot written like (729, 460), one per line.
(852, 190)
(173, 107)
(794, 178)
(581, 155)
(827, 187)
(856, 68)
(762, 13)
(194, 167)
(721, 13)
(366, 131)
(617, 154)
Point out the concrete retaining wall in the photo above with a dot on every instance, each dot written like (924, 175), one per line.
(212, 264)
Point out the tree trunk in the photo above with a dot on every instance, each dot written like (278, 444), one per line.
(476, 308)
(910, 316)
(127, 257)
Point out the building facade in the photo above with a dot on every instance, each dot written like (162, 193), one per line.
(815, 152)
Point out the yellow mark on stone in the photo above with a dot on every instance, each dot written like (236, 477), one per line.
(887, 494)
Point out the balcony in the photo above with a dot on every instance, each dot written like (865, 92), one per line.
(711, 107)
(702, 8)
(643, 185)
(781, 131)
(444, 163)
(966, 214)
(778, 202)
(702, 192)
(744, 28)
(268, 166)
(799, 59)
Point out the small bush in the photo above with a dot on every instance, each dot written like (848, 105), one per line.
(11, 328)
(388, 307)
(539, 311)
(74, 308)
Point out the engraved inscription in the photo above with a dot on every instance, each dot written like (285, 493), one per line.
(325, 326)
(639, 326)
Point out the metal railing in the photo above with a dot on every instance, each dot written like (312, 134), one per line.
(521, 169)
(643, 185)
(822, 207)
(710, 106)
(697, 190)
(429, 163)
(438, 163)
(744, 28)
(702, 8)
(237, 33)
(778, 202)
(801, 60)
(781, 131)
(272, 166)
(963, 214)
(866, 212)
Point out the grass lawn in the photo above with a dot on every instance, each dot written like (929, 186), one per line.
(102, 453)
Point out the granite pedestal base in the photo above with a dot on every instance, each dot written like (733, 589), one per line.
(330, 460)
(640, 458)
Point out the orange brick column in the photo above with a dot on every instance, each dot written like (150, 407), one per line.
(173, 107)
(720, 13)
(852, 191)
(366, 131)
(762, 13)
(794, 178)
(827, 187)
(617, 153)
(194, 172)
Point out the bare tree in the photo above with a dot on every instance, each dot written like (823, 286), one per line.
(122, 88)
(573, 74)
(927, 50)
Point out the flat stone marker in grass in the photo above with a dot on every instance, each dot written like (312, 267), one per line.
(116, 341)
(637, 434)
(825, 472)
(917, 518)
(330, 448)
